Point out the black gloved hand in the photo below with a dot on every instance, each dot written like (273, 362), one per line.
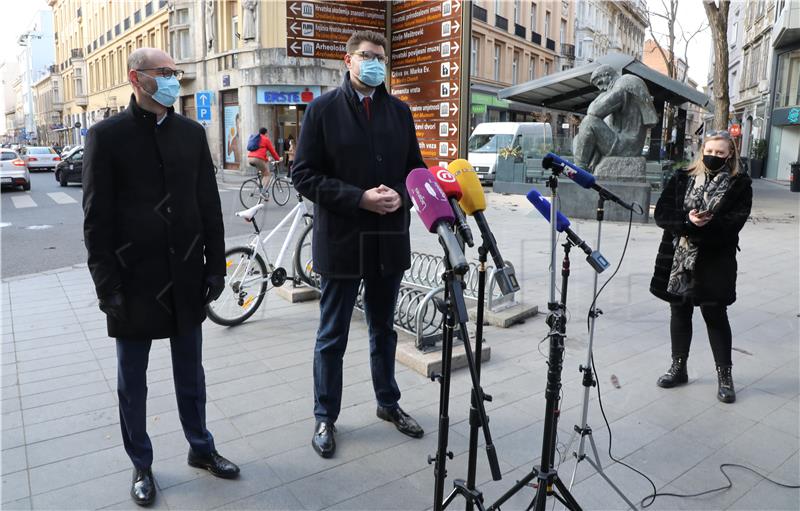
(114, 306)
(215, 284)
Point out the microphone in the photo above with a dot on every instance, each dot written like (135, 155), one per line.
(583, 178)
(593, 257)
(474, 203)
(436, 214)
(452, 190)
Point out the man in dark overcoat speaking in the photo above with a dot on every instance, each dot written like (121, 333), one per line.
(154, 234)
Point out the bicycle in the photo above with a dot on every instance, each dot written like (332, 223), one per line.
(250, 273)
(253, 192)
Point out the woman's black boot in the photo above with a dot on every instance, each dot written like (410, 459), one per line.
(676, 374)
(725, 393)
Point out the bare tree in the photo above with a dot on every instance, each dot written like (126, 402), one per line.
(669, 16)
(717, 13)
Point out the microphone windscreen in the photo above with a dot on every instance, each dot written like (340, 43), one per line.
(543, 205)
(429, 199)
(472, 198)
(447, 181)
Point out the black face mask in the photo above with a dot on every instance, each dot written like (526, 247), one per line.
(713, 163)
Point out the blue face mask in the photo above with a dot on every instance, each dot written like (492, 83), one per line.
(372, 73)
(167, 91)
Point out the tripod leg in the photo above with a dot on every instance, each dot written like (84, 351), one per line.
(440, 461)
(568, 500)
(599, 469)
(579, 456)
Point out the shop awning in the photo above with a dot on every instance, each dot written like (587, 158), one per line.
(572, 91)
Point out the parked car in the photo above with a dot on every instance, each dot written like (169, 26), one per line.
(13, 171)
(534, 140)
(39, 157)
(70, 169)
(69, 150)
(66, 149)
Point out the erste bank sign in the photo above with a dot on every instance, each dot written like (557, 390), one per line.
(287, 94)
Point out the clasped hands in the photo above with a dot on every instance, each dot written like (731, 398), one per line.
(380, 200)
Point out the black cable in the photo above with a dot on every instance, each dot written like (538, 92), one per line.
(721, 488)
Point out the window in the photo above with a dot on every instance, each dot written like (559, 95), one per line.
(234, 32)
(179, 44)
(473, 61)
(533, 17)
(755, 51)
(515, 68)
(532, 70)
(787, 90)
(563, 31)
(497, 7)
(732, 38)
(547, 25)
(517, 13)
(546, 68)
(765, 61)
(497, 50)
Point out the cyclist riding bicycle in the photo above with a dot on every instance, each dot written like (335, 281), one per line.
(259, 158)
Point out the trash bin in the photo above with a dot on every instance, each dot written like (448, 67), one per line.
(794, 177)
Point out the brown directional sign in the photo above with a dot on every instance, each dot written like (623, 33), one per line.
(426, 56)
(318, 29)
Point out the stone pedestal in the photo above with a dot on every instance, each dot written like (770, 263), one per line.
(631, 169)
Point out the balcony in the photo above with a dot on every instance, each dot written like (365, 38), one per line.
(550, 45)
(76, 54)
(479, 13)
(53, 69)
(500, 22)
(536, 38)
(82, 100)
(568, 50)
(786, 30)
(519, 30)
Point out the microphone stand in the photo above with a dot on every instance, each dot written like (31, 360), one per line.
(549, 483)
(584, 430)
(455, 309)
(474, 418)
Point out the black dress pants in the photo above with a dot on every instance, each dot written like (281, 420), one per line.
(719, 330)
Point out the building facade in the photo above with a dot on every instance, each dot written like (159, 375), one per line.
(9, 74)
(34, 60)
(603, 26)
(48, 106)
(514, 42)
(784, 125)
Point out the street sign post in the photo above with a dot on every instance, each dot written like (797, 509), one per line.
(202, 101)
(428, 44)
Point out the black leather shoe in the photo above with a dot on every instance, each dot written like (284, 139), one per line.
(725, 392)
(675, 375)
(214, 463)
(143, 487)
(404, 423)
(324, 441)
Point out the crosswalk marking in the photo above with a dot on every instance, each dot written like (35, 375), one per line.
(23, 201)
(61, 198)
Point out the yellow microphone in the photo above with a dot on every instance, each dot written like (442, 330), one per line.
(472, 198)
(473, 203)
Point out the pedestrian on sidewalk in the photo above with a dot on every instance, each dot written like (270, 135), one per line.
(702, 210)
(154, 235)
(258, 158)
(356, 147)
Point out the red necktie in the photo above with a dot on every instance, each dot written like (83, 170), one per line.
(367, 101)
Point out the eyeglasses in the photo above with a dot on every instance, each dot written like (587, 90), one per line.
(718, 134)
(166, 72)
(368, 55)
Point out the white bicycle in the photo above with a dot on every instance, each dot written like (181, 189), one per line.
(250, 273)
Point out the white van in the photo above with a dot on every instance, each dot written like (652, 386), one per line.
(534, 140)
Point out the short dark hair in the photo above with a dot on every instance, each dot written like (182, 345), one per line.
(365, 35)
(263, 131)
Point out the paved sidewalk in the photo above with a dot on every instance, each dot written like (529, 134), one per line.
(61, 447)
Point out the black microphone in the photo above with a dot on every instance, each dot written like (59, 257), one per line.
(583, 178)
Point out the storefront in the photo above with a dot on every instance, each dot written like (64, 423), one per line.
(784, 138)
(285, 105)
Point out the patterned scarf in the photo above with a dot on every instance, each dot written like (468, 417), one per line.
(704, 192)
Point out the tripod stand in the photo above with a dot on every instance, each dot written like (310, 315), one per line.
(584, 430)
(549, 482)
(456, 313)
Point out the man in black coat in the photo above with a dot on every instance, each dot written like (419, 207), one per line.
(357, 145)
(154, 234)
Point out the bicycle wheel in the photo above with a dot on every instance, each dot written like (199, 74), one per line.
(303, 264)
(245, 288)
(281, 190)
(250, 193)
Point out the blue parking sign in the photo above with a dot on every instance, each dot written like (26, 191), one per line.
(203, 105)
